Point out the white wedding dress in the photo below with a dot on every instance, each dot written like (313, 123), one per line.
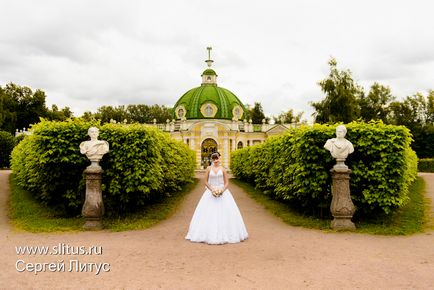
(217, 220)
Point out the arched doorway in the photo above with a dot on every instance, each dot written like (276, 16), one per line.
(240, 145)
(209, 146)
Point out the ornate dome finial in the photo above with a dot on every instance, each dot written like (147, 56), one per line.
(209, 76)
(209, 61)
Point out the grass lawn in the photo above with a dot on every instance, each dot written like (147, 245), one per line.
(29, 215)
(412, 218)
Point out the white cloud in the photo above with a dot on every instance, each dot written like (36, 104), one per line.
(85, 54)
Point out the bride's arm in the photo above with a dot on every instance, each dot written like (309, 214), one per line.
(226, 179)
(206, 179)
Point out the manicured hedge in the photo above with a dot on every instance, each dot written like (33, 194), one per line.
(426, 165)
(7, 143)
(295, 167)
(143, 164)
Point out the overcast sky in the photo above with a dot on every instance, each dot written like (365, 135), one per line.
(85, 54)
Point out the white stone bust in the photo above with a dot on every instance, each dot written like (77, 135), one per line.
(339, 147)
(94, 149)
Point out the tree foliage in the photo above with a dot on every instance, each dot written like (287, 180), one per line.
(426, 165)
(7, 143)
(28, 105)
(131, 114)
(288, 117)
(256, 113)
(58, 115)
(345, 102)
(417, 113)
(375, 106)
(342, 96)
(20, 107)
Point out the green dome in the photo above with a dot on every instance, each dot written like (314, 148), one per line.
(224, 101)
(209, 72)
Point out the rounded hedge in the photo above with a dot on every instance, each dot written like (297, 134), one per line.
(7, 143)
(143, 164)
(295, 167)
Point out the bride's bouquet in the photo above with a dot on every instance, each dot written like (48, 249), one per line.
(217, 192)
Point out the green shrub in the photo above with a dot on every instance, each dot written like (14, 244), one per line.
(19, 138)
(426, 165)
(143, 164)
(7, 143)
(295, 167)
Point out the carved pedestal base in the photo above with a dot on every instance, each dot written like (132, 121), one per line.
(93, 208)
(343, 223)
(342, 207)
(93, 224)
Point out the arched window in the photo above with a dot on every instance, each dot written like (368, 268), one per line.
(240, 145)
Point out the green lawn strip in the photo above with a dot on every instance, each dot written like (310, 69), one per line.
(28, 214)
(412, 218)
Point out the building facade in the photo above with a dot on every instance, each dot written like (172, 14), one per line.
(212, 119)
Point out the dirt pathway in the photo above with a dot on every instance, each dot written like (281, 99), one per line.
(276, 256)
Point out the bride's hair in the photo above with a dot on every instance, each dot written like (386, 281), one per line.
(215, 155)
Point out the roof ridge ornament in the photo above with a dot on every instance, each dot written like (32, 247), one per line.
(209, 61)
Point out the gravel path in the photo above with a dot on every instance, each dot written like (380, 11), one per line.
(276, 256)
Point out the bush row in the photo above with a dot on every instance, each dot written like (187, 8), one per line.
(426, 165)
(295, 167)
(143, 164)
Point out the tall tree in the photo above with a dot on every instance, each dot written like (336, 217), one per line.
(108, 113)
(375, 106)
(256, 114)
(160, 113)
(88, 116)
(59, 115)
(288, 117)
(21, 106)
(131, 113)
(414, 111)
(2, 107)
(430, 108)
(147, 114)
(139, 113)
(341, 103)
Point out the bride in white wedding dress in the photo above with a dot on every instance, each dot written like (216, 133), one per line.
(217, 219)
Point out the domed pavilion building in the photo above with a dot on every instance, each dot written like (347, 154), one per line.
(209, 118)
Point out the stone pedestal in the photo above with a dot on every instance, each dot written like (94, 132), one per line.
(342, 207)
(93, 208)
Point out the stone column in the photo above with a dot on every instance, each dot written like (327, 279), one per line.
(342, 207)
(93, 208)
(226, 151)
